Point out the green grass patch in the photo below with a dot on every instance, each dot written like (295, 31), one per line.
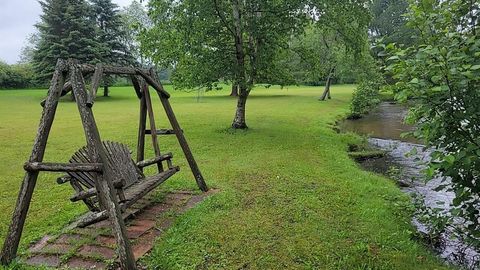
(291, 198)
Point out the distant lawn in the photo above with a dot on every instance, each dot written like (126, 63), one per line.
(290, 198)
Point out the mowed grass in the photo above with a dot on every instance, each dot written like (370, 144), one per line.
(290, 197)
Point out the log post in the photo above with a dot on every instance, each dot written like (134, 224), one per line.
(151, 118)
(97, 76)
(103, 182)
(14, 233)
(180, 137)
(142, 121)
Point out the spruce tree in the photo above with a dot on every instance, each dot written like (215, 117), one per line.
(66, 30)
(110, 32)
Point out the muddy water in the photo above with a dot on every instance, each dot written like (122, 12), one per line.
(385, 122)
(384, 127)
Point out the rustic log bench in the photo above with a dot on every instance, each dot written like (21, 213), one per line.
(103, 174)
(129, 181)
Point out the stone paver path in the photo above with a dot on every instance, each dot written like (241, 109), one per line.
(93, 247)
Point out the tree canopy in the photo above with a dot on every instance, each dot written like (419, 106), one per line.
(91, 32)
(237, 41)
(66, 30)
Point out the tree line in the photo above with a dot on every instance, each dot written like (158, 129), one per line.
(91, 31)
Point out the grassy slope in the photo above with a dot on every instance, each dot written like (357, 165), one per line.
(290, 196)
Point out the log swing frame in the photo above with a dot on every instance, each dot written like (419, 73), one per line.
(109, 191)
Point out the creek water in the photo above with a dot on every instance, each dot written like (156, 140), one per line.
(384, 127)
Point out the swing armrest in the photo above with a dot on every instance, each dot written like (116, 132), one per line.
(155, 160)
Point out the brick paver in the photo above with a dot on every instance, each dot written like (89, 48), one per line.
(94, 247)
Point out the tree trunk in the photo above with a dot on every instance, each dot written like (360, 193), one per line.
(105, 90)
(239, 122)
(234, 92)
(326, 92)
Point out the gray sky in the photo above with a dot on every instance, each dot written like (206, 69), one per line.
(17, 18)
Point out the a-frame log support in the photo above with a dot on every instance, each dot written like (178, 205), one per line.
(179, 133)
(103, 182)
(14, 233)
(103, 170)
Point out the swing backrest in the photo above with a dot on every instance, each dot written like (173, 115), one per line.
(126, 172)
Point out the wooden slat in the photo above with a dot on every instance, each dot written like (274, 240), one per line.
(132, 195)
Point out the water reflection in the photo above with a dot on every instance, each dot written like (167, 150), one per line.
(385, 126)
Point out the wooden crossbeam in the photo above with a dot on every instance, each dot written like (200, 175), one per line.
(148, 162)
(161, 132)
(63, 167)
(84, 194)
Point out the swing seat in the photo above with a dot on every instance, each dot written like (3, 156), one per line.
(129, 182)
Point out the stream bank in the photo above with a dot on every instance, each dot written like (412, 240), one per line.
(404, 160)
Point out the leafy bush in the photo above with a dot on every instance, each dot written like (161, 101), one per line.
(441, 75)
(365, 97)
(15, 76)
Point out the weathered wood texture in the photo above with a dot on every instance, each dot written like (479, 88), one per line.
(133, 194)
(103, 174)
(161, 132)
(151, 80)
(96, 78)
(142, 119)
(181, 139)
(136, 81)
(63, 167)
(14, 233)
(118, 157)
(67, 87)
(151, 118)
(148, 162)
(104, 182)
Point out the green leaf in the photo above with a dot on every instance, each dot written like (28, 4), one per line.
(475, 67)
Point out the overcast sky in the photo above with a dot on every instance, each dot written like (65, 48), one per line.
(17, 18)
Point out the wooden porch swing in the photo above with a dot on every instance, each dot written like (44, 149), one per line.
(102, 173)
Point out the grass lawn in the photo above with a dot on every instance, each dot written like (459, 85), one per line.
(290, 197)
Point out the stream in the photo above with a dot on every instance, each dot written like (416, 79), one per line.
(384, 127)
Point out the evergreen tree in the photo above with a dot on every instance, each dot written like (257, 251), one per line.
(110, 32)
(66, 30)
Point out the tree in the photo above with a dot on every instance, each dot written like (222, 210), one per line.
(441, 76)
(134, 18)
(389, 22)
(319, 56)
(15, 76)
(66, 30)
(110, 34)
(28, 49)
(238, 41)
